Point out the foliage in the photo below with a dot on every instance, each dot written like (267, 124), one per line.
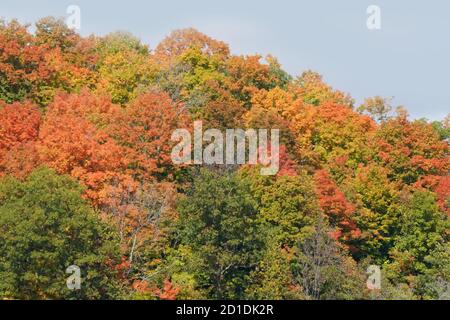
(355, 187)
(46, 227)
(218, 222)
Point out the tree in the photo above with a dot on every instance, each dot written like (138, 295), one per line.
(144, 129)
(194, 78)
(331, 132)
(421, 245)
(378, 107)
(46, 227)
(323, 270)
(286, 203)
(274, 109)
(338, 210)
(125, 74)
(443, 128)
(377, 211)
(72, 141)
(181, 40)
(411, 150)
(273, 278)
(37, 66)
(19, 129)
(22, 63)
(313, 90)
(218, 222)
(143, 215)
(247, 75)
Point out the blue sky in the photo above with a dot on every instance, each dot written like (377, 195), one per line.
(407, 59)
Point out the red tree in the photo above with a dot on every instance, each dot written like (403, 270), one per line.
(19, 129)
(338, 209)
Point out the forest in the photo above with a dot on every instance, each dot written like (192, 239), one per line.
(87, 179)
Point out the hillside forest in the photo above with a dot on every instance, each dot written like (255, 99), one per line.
(86, 177)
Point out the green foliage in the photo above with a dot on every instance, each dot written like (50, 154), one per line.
(378, 211)
(218, 223)
(46, 227)
(443, 128)
(273, 278)
(421, 243)
(286, 203)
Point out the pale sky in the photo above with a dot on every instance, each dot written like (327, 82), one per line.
(407, 59)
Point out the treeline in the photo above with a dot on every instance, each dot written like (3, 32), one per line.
(87, 178)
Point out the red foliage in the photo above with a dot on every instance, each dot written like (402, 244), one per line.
(412, 150)
(287, 166)
(19, 122)
(19, 129)
(168, 292)
(338, 209)
(145, 127)
(441, 186)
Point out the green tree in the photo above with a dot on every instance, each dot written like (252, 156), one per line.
(218, 222)
(286, 203)
(420, 256)
(443, 128)
(273, 279)
(45, 227)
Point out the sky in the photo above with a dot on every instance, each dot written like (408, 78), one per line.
(407, 59)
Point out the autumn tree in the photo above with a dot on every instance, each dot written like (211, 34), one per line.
(376, 201)
(286, 203)
(125, 67)
(37, 66)
(378, 107)
(314, 91)
(338, 210)
(71, 142)
(144, 129)
(19, 130)
(142, 214)
(411, 150)
(181, 40)
(23, 66)
(247, 75)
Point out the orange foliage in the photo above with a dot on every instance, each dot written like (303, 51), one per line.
(411, 150)
(71, 144)
(181, 40)
(35, 67)
(331, 131)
